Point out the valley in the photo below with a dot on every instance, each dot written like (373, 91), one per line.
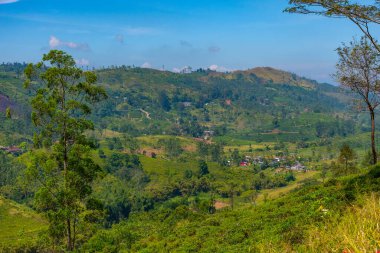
(206, 155)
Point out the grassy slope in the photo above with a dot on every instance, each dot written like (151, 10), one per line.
(279, 192)
(19, 224)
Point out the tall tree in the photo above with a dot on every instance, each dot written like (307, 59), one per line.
(236, 157)
(216, 151)
(63, 168)
(202, 149)
(358, 69)
(8, 113)
(203, 168)
(164, 101)
(172, 147)
(361, 14)
(346, 156)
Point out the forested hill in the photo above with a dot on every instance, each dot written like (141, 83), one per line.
(249, 104)
(262, 103)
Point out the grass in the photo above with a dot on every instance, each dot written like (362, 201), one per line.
(162, 171)
(347, 234)
(19, 224)
(151, 142)
(278, 192)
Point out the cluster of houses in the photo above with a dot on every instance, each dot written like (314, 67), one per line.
(297, 167)
(16, 151)
(278, 162)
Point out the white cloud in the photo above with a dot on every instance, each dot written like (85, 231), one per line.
(217, 68)
(146, 65)
(54, 42)
(8, 1)
(82, 62)
(213, 67)
(185, 69)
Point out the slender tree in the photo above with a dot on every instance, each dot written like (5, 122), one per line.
(358, 69)
(203, 168)
(61, 162)
(324, 172)
(202, 149)
(346, 156)
(8, 113)
(254, 196)
(216, 151)
(232, 192)
(363, 14)
(236, 157)
(164, 101)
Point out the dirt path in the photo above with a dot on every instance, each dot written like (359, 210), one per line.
(147, 114)
(219, 205)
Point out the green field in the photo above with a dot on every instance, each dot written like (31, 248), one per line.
(19, 224)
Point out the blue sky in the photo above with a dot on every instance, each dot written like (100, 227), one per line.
(226, 35)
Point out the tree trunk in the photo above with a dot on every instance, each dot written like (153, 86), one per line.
(66, 206)
(346, 165)
(69, 242)
(373, 145)
(232, 200)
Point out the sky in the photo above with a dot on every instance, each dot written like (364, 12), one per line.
(222, 35)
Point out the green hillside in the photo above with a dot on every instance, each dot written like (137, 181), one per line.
(249, 103)
(262, 103)
(20, 226)
(295, 222)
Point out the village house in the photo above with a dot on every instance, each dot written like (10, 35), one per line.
(280, 170)
(298, 167)
(244, 164)
(258, 160)
(12, 150)
(186, 104)
(208, 134)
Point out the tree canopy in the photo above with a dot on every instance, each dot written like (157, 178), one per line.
(63, 169)
(361, 14)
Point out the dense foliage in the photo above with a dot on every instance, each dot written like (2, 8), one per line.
(287, 224)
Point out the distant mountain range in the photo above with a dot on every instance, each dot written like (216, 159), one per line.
(247, 104)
